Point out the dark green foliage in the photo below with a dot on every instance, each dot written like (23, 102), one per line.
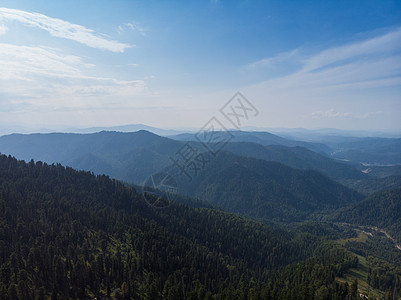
(313, 278)
(66, 234)
(384, 171)
(373, 185)
(381, 209)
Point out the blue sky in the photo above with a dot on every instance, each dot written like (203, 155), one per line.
(310, 64)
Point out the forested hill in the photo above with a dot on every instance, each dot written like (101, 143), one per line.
(134, 156)
(382, 210)
(261, 138)
(249, 186)
(267, 190)
(66, 234)
(298, 158)
(128, 156)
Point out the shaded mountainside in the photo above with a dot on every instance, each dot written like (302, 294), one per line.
(126, 156)
(270, 191)
(374, 185)
(383, 171)
(382, 210)
(266, 190)
(262, 138)
(132, 157)
(69, 234)
(370, 150)
(299, 158)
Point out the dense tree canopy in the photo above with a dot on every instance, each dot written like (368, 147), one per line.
(66, 234)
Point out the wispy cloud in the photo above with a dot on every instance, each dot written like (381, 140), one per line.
(388, 44)
(120, 29)
(45, 78)
(135, 26)
(63, 29)
(277, 59)
(3, 29)
(132, 26)
(363, 64)
(331, 113)
(350, 82)
(24, 63)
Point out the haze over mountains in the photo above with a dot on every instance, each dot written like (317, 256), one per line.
(287, 180)
(241, 143)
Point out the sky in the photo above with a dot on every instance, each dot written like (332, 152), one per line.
(176, 64)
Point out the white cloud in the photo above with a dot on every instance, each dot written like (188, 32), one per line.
(135, 26)
(331, 113)
(358, 65)
(346, 83)
(23, 62)
(386, 44)
(43, 78)
(277, 59)
(3, 29)
(381, 55)
(63, 29)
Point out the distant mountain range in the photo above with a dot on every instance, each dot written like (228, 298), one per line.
(284, 190)
(134, 156)
(366, 150)
(299, 134)
(127, 156)
(370, 150)
(351, 146)
(122, 128)
(316, 135)
(270, 190)
(262, 138)
(299, 158)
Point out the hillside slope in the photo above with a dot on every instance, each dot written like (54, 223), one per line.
(267, 190)
(126, 156)
(299, 158)
(69, 234)
(262, 138)
(134, 156)
(77, 235)
(382, 210)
